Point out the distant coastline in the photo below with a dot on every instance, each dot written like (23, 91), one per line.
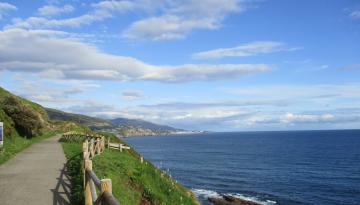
(183, 132)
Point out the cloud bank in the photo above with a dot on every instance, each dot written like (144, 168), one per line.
(132, 95)
(56, 55)
(6, 7)
(244, 50)
(164, 19)
(355, 14)
(181, 17)
(51, 10)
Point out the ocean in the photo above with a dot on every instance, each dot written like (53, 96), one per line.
(282, 167)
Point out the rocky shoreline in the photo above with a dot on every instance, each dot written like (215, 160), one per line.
(226, 199)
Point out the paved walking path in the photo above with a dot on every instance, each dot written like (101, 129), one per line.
(36, 176)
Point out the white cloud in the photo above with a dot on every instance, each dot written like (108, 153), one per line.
(248, 49)
(166, 19)
(297, 92)
(51, 92)
(182, 17)
(166, 27)
(299, 120)
(324, 66)
(45, 23)
(224, 117)
(355, 14)
(186, 116)
(351, 67)
(132, 95)
(306, 118)
(41, 22)
(58, 56)
(5, 7)
(101, 11)
(51, 10)
(116, 5)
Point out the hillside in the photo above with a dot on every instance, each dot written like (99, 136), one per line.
(20, 116)
(119, 126)
(25, 118)
(25, 123)
(133, 182)
(142, 124)
(91, 122)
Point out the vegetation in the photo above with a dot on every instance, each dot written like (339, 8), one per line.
(91, 122)
(134, 183)
(28, 122)
(73, 153)
(25, 123)
(18, 115)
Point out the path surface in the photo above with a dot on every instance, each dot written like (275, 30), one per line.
(36, 176)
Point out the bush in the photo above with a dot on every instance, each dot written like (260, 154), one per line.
(9, 125)
(27, 121)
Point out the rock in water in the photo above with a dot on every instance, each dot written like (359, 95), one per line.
(230, 200)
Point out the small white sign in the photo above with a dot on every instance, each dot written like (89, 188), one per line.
(1, 134)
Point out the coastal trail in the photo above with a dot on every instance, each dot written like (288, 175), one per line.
(36, 176)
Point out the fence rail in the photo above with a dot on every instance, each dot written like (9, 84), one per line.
(94, 145)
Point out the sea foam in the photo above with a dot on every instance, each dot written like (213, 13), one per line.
(204, 194)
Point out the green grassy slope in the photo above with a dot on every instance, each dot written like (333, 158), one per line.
(20, 116)
(25, 123)
(134, 183)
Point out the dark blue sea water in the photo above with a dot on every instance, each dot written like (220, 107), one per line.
(292, 168)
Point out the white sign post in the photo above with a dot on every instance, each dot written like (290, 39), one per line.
(1, 134)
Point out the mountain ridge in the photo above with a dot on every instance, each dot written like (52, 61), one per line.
(141, 123)
(120, 126)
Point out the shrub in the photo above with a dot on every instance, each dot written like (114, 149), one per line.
(27, 121)
(9, 124)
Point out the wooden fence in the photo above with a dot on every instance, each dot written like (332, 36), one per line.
(94, 145)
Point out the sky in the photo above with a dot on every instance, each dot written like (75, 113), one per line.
(217, 65)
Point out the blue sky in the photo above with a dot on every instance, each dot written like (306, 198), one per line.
(220, 65)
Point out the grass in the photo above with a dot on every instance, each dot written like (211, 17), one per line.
(15, 144)
(73, 153)
(133, 182)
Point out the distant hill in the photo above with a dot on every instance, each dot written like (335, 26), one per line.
(142, 124)
(120, 126)
(91, 122)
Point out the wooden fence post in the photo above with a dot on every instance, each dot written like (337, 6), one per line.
(102, 143)
(85, 150)
(108, 142)
(98, 145)
(105, 186)
(83, 162)
(92, 147)
(120, 147)
(88, 198)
